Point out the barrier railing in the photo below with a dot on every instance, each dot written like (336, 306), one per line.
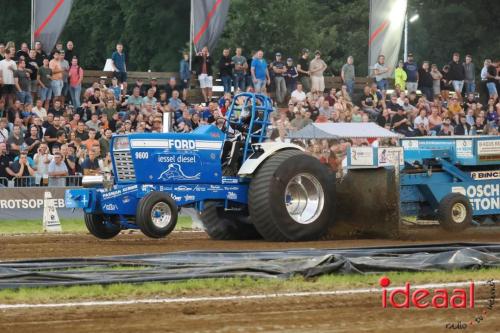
(39, 181)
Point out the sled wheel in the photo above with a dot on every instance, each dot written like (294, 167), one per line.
(290, 197)
(455, 212)
(223, 225)
(156, 214)
(102, 226)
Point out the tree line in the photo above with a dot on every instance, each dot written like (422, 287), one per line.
(156, 32)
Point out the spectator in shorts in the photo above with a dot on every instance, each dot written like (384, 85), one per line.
(316, 69)
(45, 83)
(457, 75)
(184, 75)
(381, 71)
(57, 171)
(57, 77)
(260, 73)
(7, 69)
(204, 63)
(491, 79)
(119, 65)
(23, 83)
(411, 69)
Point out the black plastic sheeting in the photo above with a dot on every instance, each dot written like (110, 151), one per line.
(258, 264)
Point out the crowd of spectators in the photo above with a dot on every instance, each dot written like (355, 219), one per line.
(53, 126)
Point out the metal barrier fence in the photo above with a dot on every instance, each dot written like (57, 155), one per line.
(39, 181)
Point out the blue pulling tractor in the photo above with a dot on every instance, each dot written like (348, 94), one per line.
(243, 186)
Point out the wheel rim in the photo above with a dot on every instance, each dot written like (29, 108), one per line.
(458, 212)
(161, 215)
(304, 198)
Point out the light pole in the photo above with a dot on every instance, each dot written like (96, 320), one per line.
(411, 20)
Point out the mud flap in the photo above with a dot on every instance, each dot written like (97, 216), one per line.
(366, 205)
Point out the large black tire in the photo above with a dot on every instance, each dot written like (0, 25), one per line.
(267, 201)
(102, 226)
(156, 203)
(455, 212)
(223, 225)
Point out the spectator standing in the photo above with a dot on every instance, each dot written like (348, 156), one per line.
(204, 71)
(239, 70)
(411, 69)
(32, 66)
(70, 52)
(381, 71)
(7, 69)
(279, 69)
(470, 75)
(491, 79)
(291, 76)
(40, 53)
(184, 74)
(445, 82)
(400, 76)
(303, 70)
(23, 83)
(57, 77)
(316, 69)
(226, 70)
(426, 81)
(119, 65)
(436, 80)
(457, 75)
(260, 73)
(65, 66)
(57, 171)
(23, 52)
(75, 74)
(348, 75)
(45, 82)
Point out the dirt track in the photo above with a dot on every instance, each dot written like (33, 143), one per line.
(74, 245)
(347, 313)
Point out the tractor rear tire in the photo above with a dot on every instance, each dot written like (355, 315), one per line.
(290, 197)
(156, 214)
(455, 212)
(102, 226)
(223, 225)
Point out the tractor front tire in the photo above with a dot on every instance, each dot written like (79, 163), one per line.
(156, 214)
(455, 212)
(223, 225)
(290, 197)
(102, 226)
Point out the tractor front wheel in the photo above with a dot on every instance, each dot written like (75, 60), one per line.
(156, 214)
(102, 226)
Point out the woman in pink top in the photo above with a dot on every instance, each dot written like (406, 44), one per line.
(75, 82)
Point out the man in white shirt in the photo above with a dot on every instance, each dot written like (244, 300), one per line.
(39, 110)
(57, 171)
(298, 95)
(7, 68)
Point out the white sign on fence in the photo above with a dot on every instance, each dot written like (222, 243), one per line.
(51, 221)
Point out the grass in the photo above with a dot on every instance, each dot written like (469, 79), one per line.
(67, 225)
(234, 286)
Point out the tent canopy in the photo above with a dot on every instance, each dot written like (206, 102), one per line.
(342, 130)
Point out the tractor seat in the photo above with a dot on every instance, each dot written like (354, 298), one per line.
(231, 152)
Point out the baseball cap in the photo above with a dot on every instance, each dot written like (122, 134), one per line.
(289, 59)
(278, 54)
(305, 50)
(410, 54)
